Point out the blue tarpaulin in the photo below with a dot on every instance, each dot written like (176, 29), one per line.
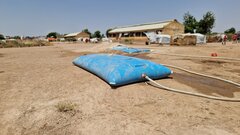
(129, 49)
(119, 70)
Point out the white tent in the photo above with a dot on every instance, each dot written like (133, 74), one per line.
(163, 39)
(158, 38)
(201, 39)
(151, 36)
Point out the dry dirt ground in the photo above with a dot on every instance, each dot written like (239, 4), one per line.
(42, 92)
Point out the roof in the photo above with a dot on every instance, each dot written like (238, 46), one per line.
(195, 34)
(50, 39)
(72, 34)
(141, 27)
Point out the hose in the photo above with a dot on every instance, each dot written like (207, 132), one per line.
(190, 93)
(208, 76)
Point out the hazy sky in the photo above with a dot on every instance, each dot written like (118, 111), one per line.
(38, 17)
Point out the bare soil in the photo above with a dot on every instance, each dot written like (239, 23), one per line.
(42, 92)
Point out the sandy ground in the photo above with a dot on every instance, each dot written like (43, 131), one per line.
(33, 81)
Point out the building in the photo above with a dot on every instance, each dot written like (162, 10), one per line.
(137, 32)
(77, 36)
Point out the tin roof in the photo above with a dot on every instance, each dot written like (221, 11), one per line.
(141, 27)
(72, 34)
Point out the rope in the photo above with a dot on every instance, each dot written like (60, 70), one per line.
(208, 76)
(224, 58)
(190, 93)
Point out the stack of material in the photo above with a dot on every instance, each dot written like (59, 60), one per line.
(182, 40)
(130, 50)
(213, 38)
(201, 39)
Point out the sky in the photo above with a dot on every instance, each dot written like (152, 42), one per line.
(39, 17)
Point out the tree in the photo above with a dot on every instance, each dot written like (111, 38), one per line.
(206, 24)
(87, 31)
(190, 23)
(16, 37)
(52, 34)
(97, 34)
(230, 31)
(2, 37)
(103, 36)
(108, 32)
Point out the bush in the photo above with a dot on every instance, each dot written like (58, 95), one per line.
(2, 44)
(19, 43)
(65, 107)
(13, 43)
(128, 41)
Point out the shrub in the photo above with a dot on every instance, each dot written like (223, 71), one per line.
(65, 107)
(20, 43)
(2, 44)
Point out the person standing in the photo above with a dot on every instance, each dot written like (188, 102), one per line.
(238, 38)
(224, 39)
(234, 38)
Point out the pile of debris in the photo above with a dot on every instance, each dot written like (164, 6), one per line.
(182, 40)
(189, 39)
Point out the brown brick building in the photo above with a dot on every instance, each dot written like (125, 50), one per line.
(136, 32)
(76, 36)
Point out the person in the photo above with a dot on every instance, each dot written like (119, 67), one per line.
(224, 39)
(238, 38)
(234, 38)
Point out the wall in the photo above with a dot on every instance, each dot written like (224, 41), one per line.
(83, 35)
(173, 28)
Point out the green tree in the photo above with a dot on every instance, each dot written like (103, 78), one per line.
(97, 34)
(103, 36)
(2, 37)
(206, 24)
(230, 31)
(17, 37)
(189, 22)
(87, 31)
(108, 32)
(52, 34)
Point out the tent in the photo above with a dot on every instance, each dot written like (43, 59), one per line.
(201, 39)
(158, 38)
(163, 39)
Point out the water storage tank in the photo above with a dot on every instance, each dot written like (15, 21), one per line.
(120, 70)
